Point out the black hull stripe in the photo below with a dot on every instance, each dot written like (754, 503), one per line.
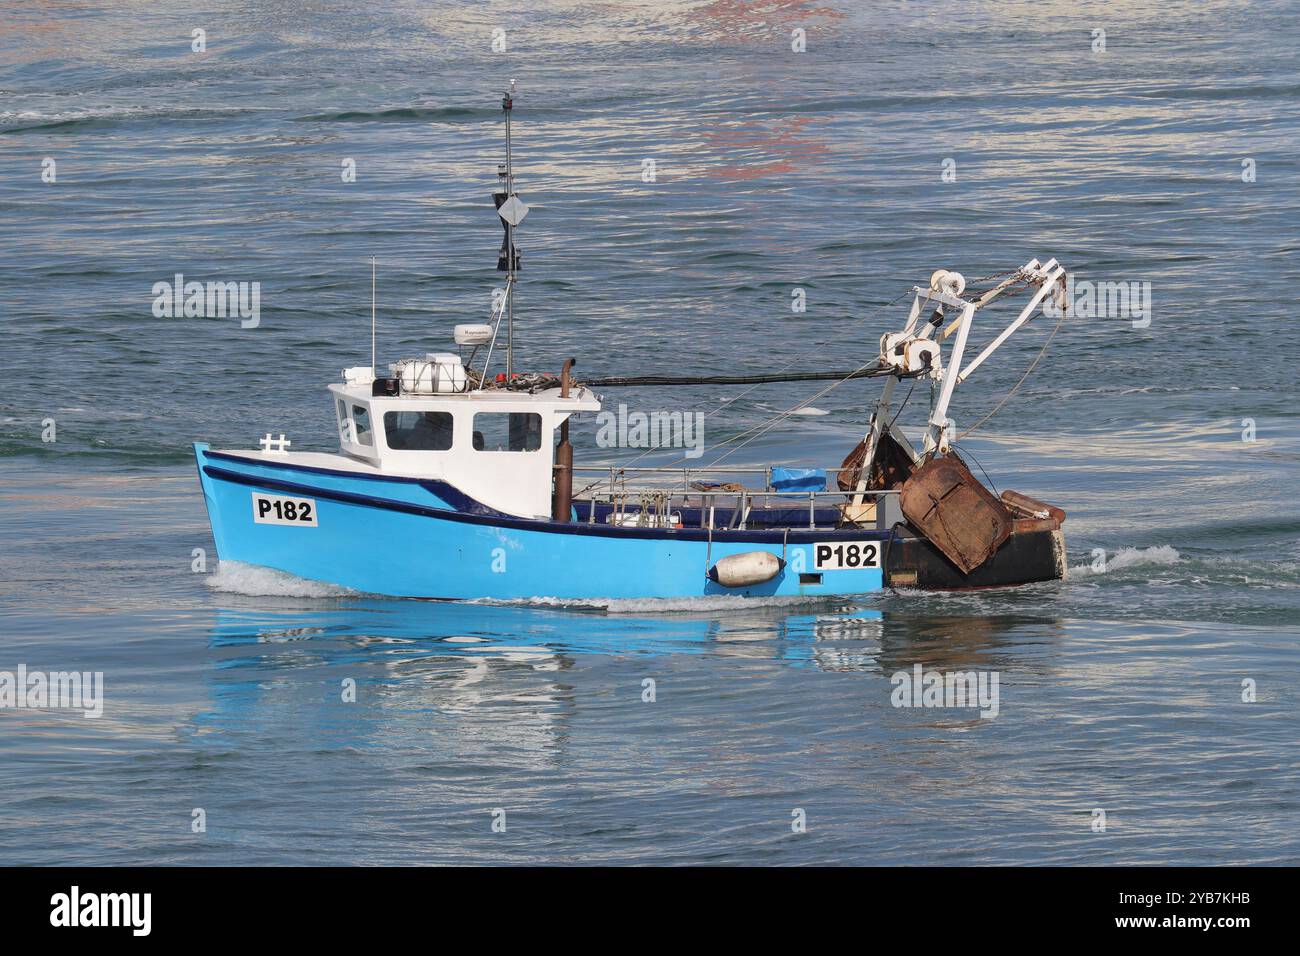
(802, 536)
(444, 490)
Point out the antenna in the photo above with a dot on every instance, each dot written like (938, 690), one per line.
(372, 315)
(512, 210)
(507, 103)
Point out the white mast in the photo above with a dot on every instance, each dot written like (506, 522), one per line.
(506, 103)
(512, 210)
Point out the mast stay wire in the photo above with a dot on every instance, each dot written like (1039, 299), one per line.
(736, 398)
(1014, 388)
(776, 420)
(763, 427)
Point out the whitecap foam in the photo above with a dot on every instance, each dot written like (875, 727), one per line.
(235, 577)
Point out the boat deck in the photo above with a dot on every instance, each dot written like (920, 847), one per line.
(677, 498)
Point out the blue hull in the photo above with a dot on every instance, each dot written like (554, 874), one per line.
(408, 537)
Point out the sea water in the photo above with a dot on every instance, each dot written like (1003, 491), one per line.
(709, 194)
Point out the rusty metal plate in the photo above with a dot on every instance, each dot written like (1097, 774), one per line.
(948, 505)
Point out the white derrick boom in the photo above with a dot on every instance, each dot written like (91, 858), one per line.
(914, 353)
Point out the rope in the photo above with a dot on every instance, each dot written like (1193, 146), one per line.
(736, 398)
(970, 454)
(1032, 365)
(764, 427)
(755, 379)
(907, 399)
(768, 426)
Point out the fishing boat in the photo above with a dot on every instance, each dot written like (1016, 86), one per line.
(454, 480)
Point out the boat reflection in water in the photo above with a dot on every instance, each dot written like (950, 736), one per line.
(483, 674)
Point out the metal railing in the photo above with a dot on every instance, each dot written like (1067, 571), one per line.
(659, 505)
(618, 473)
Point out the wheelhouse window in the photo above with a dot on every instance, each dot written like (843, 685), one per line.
(361, 425)
(345, 423)
(507, 431)
(418, 431)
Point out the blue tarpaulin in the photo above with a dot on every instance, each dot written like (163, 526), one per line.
(799, 479)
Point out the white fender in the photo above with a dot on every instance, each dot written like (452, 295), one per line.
(743, 570)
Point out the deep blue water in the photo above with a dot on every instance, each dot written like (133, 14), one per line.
(1120, 690)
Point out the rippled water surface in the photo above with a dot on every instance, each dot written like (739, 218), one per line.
(1120, 689)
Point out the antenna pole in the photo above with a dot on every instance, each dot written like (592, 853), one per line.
(372, 315)
(507, 103)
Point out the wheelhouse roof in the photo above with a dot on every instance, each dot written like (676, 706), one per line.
(580, 399)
